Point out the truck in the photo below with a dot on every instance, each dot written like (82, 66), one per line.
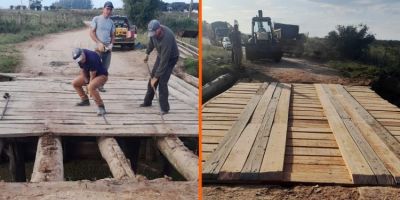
(263, 42)
(35, 5)
(291, 41)
(219, 31)
(125, 33)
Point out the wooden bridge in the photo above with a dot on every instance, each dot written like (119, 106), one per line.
(310, 133)
(44, 107)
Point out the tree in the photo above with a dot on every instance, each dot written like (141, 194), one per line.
(140, 12)
(351, 42)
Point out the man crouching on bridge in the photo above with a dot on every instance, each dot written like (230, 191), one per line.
(163, 40)
(92, 74)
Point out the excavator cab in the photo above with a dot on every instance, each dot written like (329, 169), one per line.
(263, 42)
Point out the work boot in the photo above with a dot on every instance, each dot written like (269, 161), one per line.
(84, 103)
(145, 105)
(164, 112)
(101, 89)
(102, 110)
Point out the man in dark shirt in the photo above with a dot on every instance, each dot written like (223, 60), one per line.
(93, 74)
(163, 40)
(235, 37)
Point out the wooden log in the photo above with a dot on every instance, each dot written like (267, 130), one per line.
(16, 159)
(49, 160)
(120, 167)
(217, 86)
(184, 160)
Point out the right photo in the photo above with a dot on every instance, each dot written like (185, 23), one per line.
(300, 99)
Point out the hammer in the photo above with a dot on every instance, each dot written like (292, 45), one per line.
(7, 98)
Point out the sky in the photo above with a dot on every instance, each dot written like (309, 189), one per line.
(96, 3)
(315, 17)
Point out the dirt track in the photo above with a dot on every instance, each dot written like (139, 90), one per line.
(293, 70)
(52, 56)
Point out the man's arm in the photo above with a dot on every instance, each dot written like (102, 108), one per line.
(150, 47)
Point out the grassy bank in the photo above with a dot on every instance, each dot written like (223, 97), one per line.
(19, 26)
(216, 61)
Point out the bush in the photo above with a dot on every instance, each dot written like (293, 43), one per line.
(351, 41)
(191, 66)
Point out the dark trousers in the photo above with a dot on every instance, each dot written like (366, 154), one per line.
(162, 84)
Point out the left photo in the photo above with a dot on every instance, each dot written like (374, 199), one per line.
(99, 99)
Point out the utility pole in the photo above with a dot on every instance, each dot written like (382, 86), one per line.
(190, 8)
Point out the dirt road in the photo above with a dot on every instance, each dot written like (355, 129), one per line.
(51, 55)
(294, 70)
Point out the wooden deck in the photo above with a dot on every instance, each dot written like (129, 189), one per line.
(40, 106)
(257, 132)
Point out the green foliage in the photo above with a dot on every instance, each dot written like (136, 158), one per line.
(18, 26)
(177, 22)
(355, 69)
(74, 4)
(350, 41)
(191, 66)
(319, 48)
(140, 12)
(216, 61)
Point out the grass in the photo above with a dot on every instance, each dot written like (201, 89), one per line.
(191, 66)
(354, 69)
(216, 61)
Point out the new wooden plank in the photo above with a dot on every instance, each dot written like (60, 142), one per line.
(355, 161)
(311, 136)
(215, 162)
(314, 160)
(273, 161)
(253, 163)
(312, 151)
(234, 163)
(302, 177)
(237, 157)
(384, 144)
(311, 143)
(383, 176)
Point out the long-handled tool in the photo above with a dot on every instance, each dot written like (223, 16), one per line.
(7, 98)
(103, 115)
(155, 92)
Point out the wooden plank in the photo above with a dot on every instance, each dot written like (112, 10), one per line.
(311, 143)
(383, 176)
(215, 162)
(314, 160)
(309, 151)
(343, 178)
(356, 163)
(383, 143)
(253, 163)
(273, 161)
(234, 163)
(310, 136)
(237, 157)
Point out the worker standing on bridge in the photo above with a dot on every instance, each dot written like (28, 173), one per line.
(235, 37)
(102, 31)
(93, 74)
(163, 40)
